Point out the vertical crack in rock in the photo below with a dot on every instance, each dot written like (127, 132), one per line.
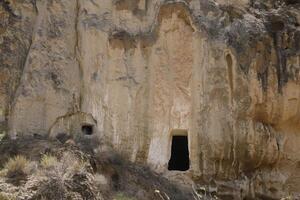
(17, 91)
(77, 52)
(94, 3)
(281, 61)
(23, 67)
(33, 2)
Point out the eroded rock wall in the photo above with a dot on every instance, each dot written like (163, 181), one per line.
(227, 72)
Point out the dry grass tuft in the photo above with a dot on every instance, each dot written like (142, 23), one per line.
(6, 197)
(16, 166)
(48, 161)
(63, 175)
(79, 166)
(121, 196)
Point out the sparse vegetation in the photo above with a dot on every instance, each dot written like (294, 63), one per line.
(121, 196)
(6, 197)
(68, 173)
(79, 166)
(2, 173)
(2, 135)
(74, 175)
(48, 161)
(17, 166)
(287, 198)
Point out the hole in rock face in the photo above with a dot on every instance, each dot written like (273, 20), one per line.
(87, 129)
(179, 154)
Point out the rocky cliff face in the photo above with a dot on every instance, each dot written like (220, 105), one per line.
(137, 72)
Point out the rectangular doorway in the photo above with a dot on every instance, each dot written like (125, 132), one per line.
(179, 153)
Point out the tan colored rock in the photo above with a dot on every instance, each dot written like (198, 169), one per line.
(224, 72)
(74, 126)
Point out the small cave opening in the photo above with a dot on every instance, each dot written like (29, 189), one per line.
(87, 129)
(179, 160)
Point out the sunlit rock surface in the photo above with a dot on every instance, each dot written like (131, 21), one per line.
(225, 72)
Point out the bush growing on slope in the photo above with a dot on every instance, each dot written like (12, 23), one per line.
(48, 161)
(16, 166)
(6, 197)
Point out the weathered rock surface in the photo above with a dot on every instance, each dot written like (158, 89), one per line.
(227, 72)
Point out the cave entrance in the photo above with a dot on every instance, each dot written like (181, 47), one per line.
(179, 151)
(87, 129)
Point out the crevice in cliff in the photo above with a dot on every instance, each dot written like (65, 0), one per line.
(33, 2)
(263, 77)
(77, 53)
(281, 70)
(23, 67)
(230, 72)
(282, 28)
(94, 3)
(17, 90)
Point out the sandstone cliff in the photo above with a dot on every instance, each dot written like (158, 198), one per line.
(136, 72)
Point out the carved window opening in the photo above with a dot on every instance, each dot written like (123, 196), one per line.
(87, 129)
(179, 152)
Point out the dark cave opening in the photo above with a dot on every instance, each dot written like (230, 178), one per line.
(87, 129)
(179, 154)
